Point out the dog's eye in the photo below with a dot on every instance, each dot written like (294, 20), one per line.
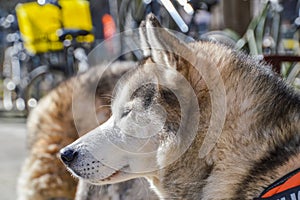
(125, 113)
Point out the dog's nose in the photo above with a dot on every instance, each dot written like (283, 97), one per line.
(68, 155)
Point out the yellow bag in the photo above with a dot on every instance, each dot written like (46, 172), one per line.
(38, 26)
(76, 15)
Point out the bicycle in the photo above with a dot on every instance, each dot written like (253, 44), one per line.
(50, 56)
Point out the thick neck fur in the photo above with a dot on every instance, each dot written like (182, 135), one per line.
(260, 140)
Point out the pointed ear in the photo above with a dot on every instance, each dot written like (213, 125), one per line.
(162, 45)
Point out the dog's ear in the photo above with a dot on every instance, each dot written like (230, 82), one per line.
(161, 45)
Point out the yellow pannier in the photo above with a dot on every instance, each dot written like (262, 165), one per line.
(38, 26)
(76, 15)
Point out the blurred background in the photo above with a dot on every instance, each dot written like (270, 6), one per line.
(47, 41)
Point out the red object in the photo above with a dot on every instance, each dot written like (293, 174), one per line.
(109, 26)
(276, 60)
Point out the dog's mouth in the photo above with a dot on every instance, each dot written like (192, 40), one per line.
(116, 173)
(111, 176)
(99, 174)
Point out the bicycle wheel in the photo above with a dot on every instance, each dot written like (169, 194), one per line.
(41, 84)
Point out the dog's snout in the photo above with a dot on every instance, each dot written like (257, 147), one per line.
(68, 155)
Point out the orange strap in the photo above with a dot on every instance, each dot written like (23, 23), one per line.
(292, 182)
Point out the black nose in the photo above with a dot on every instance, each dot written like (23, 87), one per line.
(68, 155)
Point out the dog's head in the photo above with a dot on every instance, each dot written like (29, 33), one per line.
(155, 116)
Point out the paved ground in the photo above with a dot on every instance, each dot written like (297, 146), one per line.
(12, 154)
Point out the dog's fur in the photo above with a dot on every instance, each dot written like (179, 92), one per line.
(51, 126)
(259, 142)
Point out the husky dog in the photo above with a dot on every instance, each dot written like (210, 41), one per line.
(51, 125)
(243, 134)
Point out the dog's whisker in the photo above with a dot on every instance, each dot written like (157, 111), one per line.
(145, 187)
(107, 96)
(103, 106)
